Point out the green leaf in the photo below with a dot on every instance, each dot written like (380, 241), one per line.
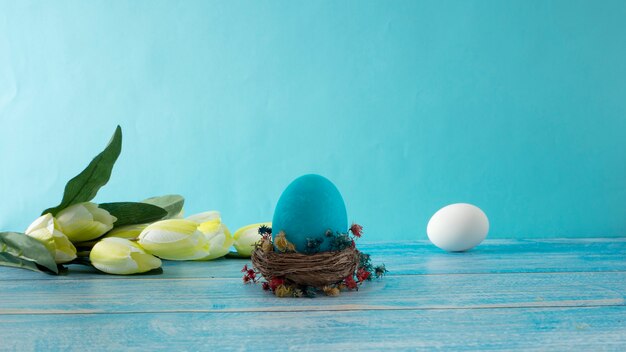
(172, 203)
(21, 251)
(84, 186)
(8, 260)
(129, 213)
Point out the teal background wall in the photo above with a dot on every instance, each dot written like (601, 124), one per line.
(516, 106)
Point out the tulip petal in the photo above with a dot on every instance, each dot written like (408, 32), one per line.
(206, 216)
(64, 249)
(84, 230)
(129, 231)
(74, 213)
(101, 215)
(41, 222)
(210, 227)
(45, 237)
(145, 261)
(218, 236)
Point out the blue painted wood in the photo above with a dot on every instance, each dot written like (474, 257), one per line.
(543, 329)
(506, 294)
(393, 292)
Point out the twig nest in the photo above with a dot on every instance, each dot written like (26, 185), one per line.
(318, 270)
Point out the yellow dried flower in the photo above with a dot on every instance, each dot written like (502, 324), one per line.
(281, 243)
(283, 291)
(331, 291)
(267, 247)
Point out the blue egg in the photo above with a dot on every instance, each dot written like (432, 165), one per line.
(309, 207)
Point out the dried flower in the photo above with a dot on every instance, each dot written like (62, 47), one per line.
(266, 286)
(265, 230)
(331, 291)
(357, 230)
(249, 274)
(365, 262)
(275, 282)
(380, 271)
(283, 291)
(267, 246)
(313, 245)
(350, 283)
(310, 292)
(340, 242)
(362, 275)
(282, 244)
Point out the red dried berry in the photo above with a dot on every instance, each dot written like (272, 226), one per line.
(362, 275)
(350, 283)
(357, 230)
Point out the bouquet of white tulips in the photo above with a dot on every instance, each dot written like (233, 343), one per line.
(122, 237)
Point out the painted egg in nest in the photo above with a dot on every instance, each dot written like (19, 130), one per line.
(310, 208)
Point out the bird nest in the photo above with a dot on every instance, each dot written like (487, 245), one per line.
(317, 270)
(288, 273)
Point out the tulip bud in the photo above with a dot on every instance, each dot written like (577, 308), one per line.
(120, 256)
(175, 239)
(47, 230)
(129, 232)
(85, 221)
(218, 235)
(246, 238)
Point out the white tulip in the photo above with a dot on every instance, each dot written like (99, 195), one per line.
(175, 239)
(114, 255)
(246, 238)
(85, 221)
(47, 230)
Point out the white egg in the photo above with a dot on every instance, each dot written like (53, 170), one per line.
(458, 227)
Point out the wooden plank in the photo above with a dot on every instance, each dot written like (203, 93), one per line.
(397, 292)
(505, 256)
(410, 258)
(583, 329)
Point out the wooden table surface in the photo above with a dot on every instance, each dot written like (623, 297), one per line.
(557, 294)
